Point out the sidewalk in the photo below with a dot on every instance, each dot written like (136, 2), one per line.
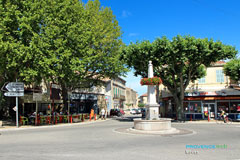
(24, 127)
(203, 122)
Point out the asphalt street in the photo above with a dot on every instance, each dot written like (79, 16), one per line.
(100, 141)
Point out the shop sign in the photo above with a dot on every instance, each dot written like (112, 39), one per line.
(75, 96)
(203, 93)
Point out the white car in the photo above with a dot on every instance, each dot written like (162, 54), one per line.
(133, 111)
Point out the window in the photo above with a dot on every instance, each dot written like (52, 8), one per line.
(220, 76)
(195, 107)
(201, 80)
(115, 91)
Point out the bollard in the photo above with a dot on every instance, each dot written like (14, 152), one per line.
(49, 119)
(71, 119)
(20, 122)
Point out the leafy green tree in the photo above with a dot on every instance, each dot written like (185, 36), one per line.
(79, 44)
(60, 41)
(19, 23)
(177, 62)
(141, 105)
(232, 69)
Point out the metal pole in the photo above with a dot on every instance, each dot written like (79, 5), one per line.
(36, 115)
(17, 112)
(68, 110)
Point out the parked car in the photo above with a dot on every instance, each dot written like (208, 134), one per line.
(132, 111)
(138, 111)
(116, 112)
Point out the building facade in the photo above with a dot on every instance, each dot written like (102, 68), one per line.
(143, 99)
(115, 93)
(109, 96)
(210, 94)
(131, 99)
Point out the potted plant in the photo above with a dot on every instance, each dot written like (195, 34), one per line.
(151, 81)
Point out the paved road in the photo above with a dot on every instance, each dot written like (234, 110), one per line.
(99, 141)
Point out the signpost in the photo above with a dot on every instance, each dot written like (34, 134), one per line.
(14, 94)
(15, 89)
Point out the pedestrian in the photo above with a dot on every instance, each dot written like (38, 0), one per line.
(102, 113)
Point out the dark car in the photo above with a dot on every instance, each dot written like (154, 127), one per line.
(116, 112)
(143, 111)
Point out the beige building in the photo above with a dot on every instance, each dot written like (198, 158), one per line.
(143, 99)
(209, 94)
(115, 93)
(131, 99)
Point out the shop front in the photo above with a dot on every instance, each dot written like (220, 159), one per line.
(84, 102)
(201, 107)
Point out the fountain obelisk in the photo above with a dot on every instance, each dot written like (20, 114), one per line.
(152, 106)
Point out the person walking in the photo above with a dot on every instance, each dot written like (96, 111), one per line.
(102, 113)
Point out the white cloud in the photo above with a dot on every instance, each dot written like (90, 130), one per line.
(133, 34)
(126, 14)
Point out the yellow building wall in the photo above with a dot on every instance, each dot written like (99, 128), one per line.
(211, 80)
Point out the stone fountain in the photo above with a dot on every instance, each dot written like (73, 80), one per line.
(153, 123)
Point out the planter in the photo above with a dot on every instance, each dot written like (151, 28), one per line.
(151, 81)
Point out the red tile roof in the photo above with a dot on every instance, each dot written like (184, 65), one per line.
(144, 95)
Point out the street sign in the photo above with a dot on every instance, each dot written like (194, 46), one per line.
(15, 87)
(15, 108)
(14, 94)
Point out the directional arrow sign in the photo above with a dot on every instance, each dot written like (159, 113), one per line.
(14, 94)
(15, 87)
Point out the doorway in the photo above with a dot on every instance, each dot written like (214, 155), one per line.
(209, 108)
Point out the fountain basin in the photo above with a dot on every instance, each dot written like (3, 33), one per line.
(162, 124)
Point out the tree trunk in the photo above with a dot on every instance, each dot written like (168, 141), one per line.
(180, 110)
(181, 98)
(179, 105)
(65, 96)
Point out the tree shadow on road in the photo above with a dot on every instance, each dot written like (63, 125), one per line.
(126, 118)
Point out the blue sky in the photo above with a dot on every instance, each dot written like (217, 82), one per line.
(148, 19)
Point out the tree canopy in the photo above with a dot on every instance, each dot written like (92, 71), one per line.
(177, 62)
(18, 25)
(232, 69)
(61, 41)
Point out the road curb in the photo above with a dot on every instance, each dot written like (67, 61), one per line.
(52, 126)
